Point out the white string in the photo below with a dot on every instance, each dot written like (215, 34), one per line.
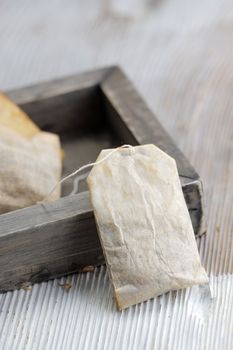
(81, 169)
(77, 181)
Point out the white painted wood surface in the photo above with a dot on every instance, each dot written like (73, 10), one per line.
(179, 55)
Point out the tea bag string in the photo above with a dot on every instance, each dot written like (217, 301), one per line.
(77, 171)
(77, 180)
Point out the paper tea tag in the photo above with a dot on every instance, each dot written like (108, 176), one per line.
(144, 225)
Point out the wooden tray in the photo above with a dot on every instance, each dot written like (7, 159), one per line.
(90, 111)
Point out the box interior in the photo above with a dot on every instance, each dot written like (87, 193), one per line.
(81, 120)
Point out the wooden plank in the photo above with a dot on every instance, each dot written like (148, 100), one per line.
(49, 240)
(60, 86)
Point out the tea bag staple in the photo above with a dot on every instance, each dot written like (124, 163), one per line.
(143, 224)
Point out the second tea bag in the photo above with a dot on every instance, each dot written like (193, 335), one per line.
(143, 223)
(30, 159)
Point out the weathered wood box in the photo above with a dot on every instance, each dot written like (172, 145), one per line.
(90, 111)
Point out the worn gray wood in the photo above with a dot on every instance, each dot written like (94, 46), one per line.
(43, 242)
(47, 241)
(61, 86)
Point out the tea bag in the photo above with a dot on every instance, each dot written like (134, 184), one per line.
(29, 168)
(30, 160)
(15, 118)
(143, 224)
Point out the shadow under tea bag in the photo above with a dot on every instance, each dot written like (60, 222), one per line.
(143, 223)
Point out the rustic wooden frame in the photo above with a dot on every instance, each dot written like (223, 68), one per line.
(46, 241)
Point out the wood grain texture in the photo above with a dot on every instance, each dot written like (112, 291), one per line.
(49, 240)
(42, 242)
(41, 91)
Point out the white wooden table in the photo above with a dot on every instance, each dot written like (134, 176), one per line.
(179, 55)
